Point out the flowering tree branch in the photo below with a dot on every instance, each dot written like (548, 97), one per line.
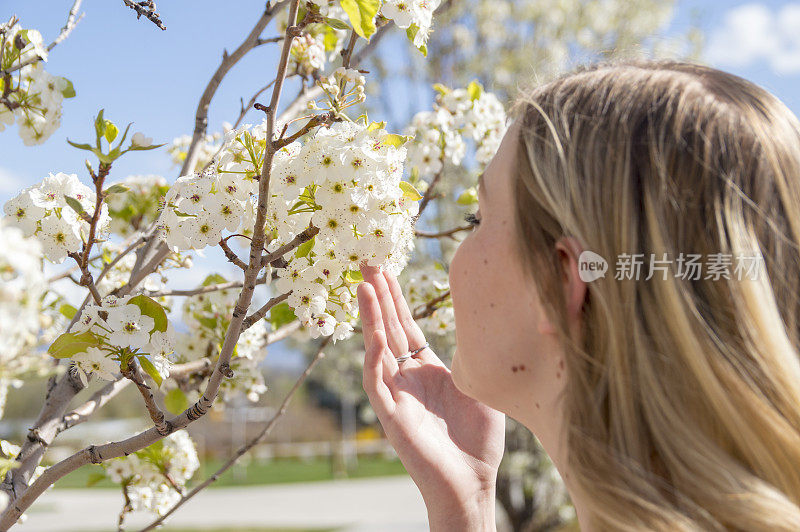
(97, 454)
(72, 21)
(249, 445)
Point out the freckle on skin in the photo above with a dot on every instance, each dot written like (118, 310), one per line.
(558, 375)
(522, 367)
(537, 405)
(561, 364)
(491, 305)
(514, 369)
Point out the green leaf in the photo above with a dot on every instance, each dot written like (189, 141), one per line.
(94, 478)
(468, 197)
(176, 401)
(68, 311)
(80, 146)
(119, 188)
(474, 89)
(337, 24)
(393, 139)
(411, 32)
(281, 314)
(205, 321)
(150, 307)
(409, 191)
(353, 276)
(362, 15)
(305, 248)
(99, 126)
(330, 39)
(69, 91)
(376, 125)
(69, 344)
(150, 369)
(144, 148)
(74, 204)
(111, 131)
(214, 278)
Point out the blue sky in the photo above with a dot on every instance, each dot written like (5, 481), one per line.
(154, 78)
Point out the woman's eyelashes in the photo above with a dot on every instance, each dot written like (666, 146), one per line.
(471, 219)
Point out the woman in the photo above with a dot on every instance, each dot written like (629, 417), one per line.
(667, 400)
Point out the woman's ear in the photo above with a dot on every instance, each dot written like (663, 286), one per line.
(569, 250)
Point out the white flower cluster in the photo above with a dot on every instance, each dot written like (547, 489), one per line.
(469, 113)
(208, 316)
(206, 148)
(307, 54)
(138, 206)
(120, 325)
(414, 14)
(345, 180)
(35, 99)
(42, 210)
(147, 476)
(423, 285)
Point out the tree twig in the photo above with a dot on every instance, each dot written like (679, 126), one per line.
(260, 313)
(301, 238)
(249, 445)
(448, 233)
(134, 373)
(228, 61)
(93, 404)
(148, 9)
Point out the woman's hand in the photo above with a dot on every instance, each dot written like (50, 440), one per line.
(449, 443)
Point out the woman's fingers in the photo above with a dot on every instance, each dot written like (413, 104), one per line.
(395, 333)
(379, 393)
(371, 321)
(416, 338)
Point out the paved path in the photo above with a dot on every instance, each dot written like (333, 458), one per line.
(385, 503)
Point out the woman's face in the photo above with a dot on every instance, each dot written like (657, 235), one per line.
(506, 353)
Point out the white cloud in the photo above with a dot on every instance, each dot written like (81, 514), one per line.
(754, 33)
(10, 183)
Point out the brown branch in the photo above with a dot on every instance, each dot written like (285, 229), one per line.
(282, 332)
(249, 445)
(301, 238)
(134, 373)
(314, 121)
(449, 233)
(429, 193)
(228, 62)
(148, 9)
(93, 404)
(260, 313)
(230, 255)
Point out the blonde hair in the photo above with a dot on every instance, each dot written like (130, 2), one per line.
(682, 401)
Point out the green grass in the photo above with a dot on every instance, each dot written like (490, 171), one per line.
(277, 471)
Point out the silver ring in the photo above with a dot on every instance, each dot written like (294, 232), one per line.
(403, 358)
